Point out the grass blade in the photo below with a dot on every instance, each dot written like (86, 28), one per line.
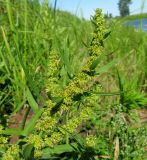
(31, 100)
(30, 127)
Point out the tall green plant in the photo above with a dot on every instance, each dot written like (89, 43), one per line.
(73, 97)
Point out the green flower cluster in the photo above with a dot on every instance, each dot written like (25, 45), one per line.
(77, 92)
(91, 141)
(36, 140)
(3, 140)
(12, 153)
(98, 35)
(97, 41)
(38, 144)
(72, 124)
(53, 74)
(76, 85)
(54, 139)
(46, 122)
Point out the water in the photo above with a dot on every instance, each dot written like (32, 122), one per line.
(138, 24)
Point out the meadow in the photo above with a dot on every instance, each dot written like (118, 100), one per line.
(70, 89)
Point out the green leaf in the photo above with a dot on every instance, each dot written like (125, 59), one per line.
(65, 58)
(57, 99)
(28, 152)
(121, 87)
(4, 98)
(64, 76)
(32, 101)
(30, 127)
(64, 53)
(2, 64)
(3, 79)
(59, 149)
(106, 67)
(19, 106)
(107, 94)
(95, 63)
(12, 131)
(2, 150)
(107, 34)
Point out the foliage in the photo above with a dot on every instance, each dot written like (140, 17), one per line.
(77, 85)
(123, 6)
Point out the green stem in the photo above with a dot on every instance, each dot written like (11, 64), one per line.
(25, 118)
(67, 135)
(24, 122)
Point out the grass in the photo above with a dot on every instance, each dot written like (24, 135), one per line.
(78, 95)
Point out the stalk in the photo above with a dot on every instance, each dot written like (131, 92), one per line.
(67, 135)
(25, 117)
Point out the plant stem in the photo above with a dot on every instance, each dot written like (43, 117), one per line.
(67, 135)
(25, 118)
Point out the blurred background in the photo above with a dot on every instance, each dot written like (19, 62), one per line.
(86, 8)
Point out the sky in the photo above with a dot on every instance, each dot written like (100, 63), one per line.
(85, 8)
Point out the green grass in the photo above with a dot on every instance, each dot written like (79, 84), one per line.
(83, 105)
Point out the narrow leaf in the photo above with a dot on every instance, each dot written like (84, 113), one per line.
(12, 131)
(28, 151)
(32, 101)
(95, 63)
(106, 67)
(107, 94)
(59, 149)
(30, 127)
(116, 152)
(107, 34)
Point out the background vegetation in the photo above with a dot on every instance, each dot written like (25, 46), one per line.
(123, 6)
(137, 16)
(70, 88)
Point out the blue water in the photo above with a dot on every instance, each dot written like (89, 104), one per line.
(138, 24)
